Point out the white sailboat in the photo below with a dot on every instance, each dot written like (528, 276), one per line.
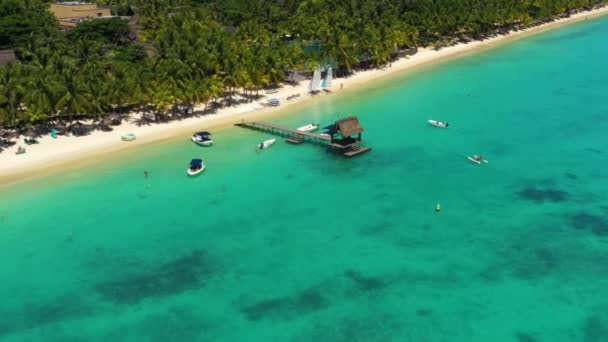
(328, 79)
(315, 83)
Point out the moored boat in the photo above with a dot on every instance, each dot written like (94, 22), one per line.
(128, 137)
(308, 128)
(196, 166)
(202, 138)
(266, 144)
(477, 159)
(439, 124)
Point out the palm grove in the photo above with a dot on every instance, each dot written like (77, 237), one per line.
(195, 51)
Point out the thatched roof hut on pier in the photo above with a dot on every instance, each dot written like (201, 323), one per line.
(346, 136)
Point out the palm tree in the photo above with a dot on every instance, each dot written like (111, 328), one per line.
(11, 90)
(75, 93)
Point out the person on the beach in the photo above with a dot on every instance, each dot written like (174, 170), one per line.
(341, 86)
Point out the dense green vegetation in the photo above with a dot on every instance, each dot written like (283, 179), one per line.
(196, 51)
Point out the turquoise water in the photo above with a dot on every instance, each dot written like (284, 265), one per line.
(295, 244)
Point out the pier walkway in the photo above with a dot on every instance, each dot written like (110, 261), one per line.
(291, 134)
(348, 147)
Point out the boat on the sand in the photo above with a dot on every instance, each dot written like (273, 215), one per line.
(128, 137)
(274, 102)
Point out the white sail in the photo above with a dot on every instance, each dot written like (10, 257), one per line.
(315, 83)
(328, 78)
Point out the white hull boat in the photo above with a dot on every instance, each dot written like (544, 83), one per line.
(308, 128)
(202, 142)
(196, 172)
(477, 159)
(196, 167)
(439, 124)
(202, 139)
(266, 144)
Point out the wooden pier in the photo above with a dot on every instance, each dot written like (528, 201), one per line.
(293, 135)
(339, 138)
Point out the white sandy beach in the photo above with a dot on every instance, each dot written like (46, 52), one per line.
(69, 151)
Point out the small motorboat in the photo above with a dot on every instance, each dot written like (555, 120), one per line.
(272, 91)
(266, 144)
(308, 128)
(439, 124)
(196, 166)
(128, 137)
(274, 102)
(477, 159)
(202, 138)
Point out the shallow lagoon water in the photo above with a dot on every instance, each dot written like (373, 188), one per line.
(295, 244)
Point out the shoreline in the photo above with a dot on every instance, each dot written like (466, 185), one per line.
(72, 152)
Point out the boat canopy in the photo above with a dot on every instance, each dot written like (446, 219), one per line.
(203, 133)
(331, 129)
(196, 162)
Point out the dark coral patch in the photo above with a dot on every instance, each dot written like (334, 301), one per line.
(594, 150)
(181, 274)
(543, 195)
(598, 225)
(365, 283)
(423, 312)
(525, 337)
(571, 176)
(595, 329)
(535, 263)
(301, 303)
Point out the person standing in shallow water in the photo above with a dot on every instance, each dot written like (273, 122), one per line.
(146, 174)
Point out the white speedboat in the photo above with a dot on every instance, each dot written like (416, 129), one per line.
(196, 166)
(266, 144)
(477, 159)
(440, 124)
(308, 128)
(202, 138)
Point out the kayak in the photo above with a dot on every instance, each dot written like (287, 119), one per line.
(477, 159)
(439, 124)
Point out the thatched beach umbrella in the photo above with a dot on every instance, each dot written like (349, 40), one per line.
(60, 128)
(10, 134)
(114, 119)
(105, 127)
(78, 129)
(106, 121)
(30, 133)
